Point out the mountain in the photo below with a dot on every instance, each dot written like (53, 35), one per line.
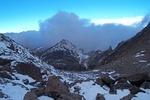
(132, 55)
(25, 77)
(64, 55)
(95, 57)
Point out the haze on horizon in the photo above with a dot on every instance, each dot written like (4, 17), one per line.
(90, 24)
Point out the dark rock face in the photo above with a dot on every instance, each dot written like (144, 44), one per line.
(100, 97)
(29, 69)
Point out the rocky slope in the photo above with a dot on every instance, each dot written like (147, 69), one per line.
(132, 55)
(96, 57)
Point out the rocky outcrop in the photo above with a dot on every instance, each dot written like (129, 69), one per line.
(29, 69)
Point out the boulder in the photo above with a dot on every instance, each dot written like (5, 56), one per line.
(105, 79)
(55, 85)
(30, 70)
(100, 97)
(30, 96)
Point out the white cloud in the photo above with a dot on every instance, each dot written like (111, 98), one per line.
(128, 21)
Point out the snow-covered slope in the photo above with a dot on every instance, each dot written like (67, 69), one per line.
(9, 49)
(15, 83)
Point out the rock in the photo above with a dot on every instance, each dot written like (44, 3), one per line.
(122, 83)
(55, 85)
(70, 96)
(113, 90)
(138, 79)
(105, 80)
(25, 81)
(29, 69)
(135, 90)
(30, 96)
(128, 97)
(99, 81)
(77, 89)
(146, 85)
(100, 97)
(5, 61)
(39, 91)
(4, 74)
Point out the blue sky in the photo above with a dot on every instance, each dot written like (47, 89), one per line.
(22, 15)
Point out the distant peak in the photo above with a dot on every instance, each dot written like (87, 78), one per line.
(65, 41)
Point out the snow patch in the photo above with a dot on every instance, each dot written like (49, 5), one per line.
(15, 92)
(90, 89)
(45, 98)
